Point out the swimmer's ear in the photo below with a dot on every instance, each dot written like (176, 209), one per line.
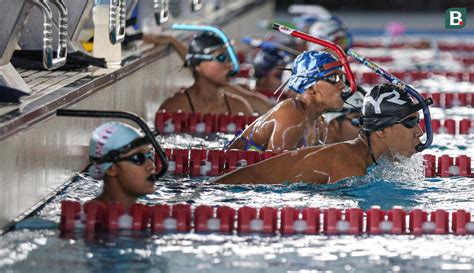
(311, 89)
(112, 171)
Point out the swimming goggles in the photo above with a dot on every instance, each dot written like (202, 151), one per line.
(333, 78)
(221, 58)
(138, 158)
(410, 122)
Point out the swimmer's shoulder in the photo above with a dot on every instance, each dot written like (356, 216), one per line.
(239, 104)
(178, 101)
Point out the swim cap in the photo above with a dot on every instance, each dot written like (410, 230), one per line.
(309, 67)
(108, 142)
(202, 44)
(352, 104)
(331, 29)
(385, 105)
(265, 60)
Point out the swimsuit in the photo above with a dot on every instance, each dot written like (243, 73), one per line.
(194, 110)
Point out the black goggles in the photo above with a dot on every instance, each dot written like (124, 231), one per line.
(221, 58)
(410, 122)
(138, 158)
(333, 78)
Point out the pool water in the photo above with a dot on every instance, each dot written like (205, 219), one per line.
(36, 245)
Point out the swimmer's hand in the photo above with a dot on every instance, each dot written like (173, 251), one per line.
(158, 39)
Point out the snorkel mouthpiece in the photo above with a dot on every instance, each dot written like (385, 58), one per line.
(408, 89)
(221, 34)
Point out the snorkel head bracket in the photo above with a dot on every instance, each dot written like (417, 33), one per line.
(226, 43)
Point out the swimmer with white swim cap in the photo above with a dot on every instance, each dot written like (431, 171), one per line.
(124, 159)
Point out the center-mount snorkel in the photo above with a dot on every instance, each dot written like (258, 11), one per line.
(340, 53)
(407, 88)
(123, 115)
(221, 34)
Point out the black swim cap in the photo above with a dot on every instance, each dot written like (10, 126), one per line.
(385, 105)
(202, 44)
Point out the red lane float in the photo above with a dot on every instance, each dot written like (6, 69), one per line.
(451, 126)
(443, 46)
(447, 166)
(410, 76)
(266, 220)
(201, 162)
(180, 122)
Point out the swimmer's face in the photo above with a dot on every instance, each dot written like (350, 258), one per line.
(217, 69)
(272, 80)
(403, 140)
(331, 92)
(341, 128)
(133, 176)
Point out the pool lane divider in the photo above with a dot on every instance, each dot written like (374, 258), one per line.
(197, 123)
(205, 123)
(443, 46)
(166, 218)
(202, 162)
(413, 75)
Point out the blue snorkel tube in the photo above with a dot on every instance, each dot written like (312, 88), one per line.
(227, 45)
(410, 90)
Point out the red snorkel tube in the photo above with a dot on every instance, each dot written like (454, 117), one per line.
(340, 53)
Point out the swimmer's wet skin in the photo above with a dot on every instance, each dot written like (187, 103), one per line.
(389, 125)
(317, 78)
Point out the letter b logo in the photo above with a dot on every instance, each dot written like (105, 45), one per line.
(455, 18)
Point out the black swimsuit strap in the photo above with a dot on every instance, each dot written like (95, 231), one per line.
(189, 100)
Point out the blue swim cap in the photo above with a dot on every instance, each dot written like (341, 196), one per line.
(309, 67)
(107, 138)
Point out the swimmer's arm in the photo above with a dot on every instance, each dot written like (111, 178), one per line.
(167, 40)
(288, 131)
(258, 102)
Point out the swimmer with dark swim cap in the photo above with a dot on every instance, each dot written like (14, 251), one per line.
(211, 92)
(390, 125)
(343, 124)
(267, 69)
(124, 159)
(317, 78)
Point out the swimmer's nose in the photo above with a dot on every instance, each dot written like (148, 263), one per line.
(419, 131)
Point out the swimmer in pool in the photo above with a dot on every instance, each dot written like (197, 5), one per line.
(124, 159)
(330, 29)
(343, 124)
(267, 69)
(390, 125)
(317, 77)
(211, 91)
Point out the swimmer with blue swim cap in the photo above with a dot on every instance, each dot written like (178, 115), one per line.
(317, 79)
(390, 126)
(123, 158)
